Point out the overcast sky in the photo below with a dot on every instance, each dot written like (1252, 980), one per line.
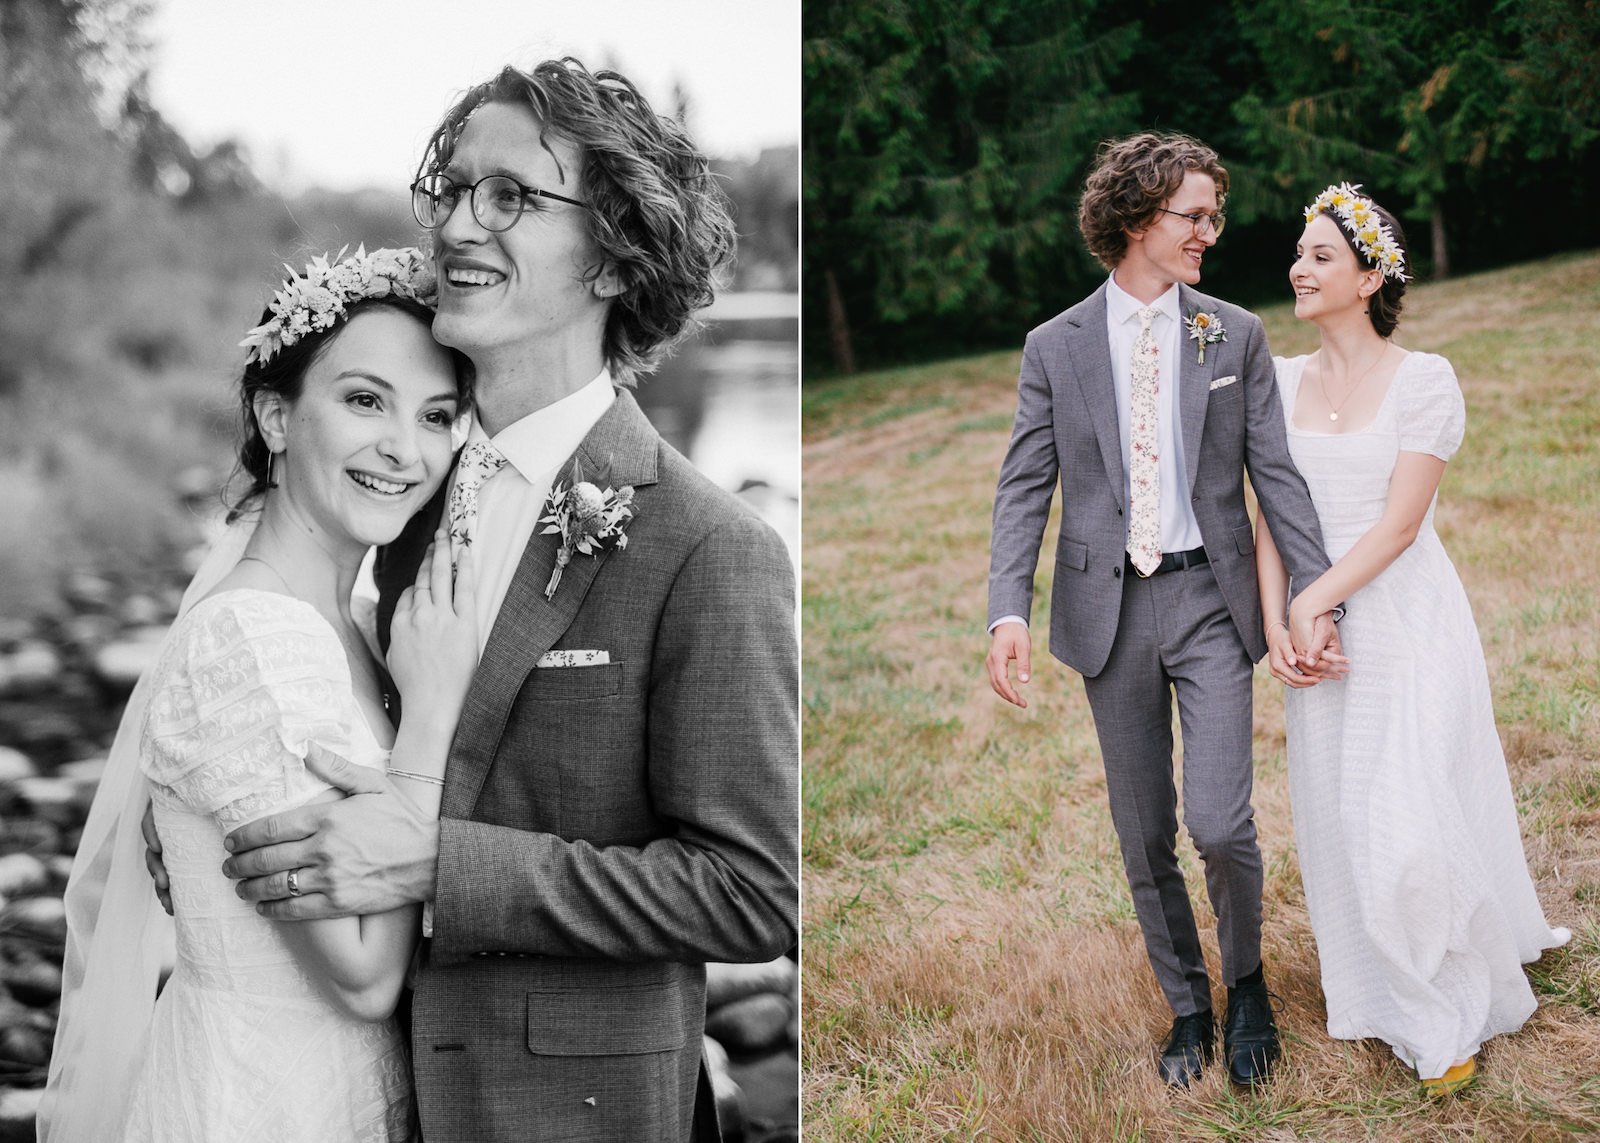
(343, 93)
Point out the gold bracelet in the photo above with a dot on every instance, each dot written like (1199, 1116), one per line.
(428, 778)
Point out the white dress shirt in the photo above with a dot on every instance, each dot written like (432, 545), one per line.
(512, 500)
(1180, 531)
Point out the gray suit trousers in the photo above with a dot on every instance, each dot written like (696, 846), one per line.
(1176, 636)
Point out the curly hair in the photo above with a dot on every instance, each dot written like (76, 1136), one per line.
(285, 373)
(1130, 181)
(656, 212)
(1384, 306)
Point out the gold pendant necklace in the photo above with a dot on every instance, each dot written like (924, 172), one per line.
(1333, 410)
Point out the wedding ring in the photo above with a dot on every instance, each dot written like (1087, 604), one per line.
(294, 883)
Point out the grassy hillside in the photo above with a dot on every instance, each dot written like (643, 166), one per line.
(972, 964)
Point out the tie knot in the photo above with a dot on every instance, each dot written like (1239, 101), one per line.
(1147, 316)
(480, 460)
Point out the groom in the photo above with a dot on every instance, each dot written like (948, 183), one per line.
(1149, 400)
(620, 804)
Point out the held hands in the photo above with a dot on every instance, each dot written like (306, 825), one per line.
(433, 638)
(1306, 650)
(1010, 641)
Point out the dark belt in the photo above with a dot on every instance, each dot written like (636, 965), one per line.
(1172, 561)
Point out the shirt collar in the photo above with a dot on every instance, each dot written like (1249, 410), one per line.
(1122, 306)
(540, 443)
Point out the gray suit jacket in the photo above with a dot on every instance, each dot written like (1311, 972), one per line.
(607, 829)
(1066, 427)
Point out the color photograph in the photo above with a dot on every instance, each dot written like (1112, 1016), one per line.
(1199, 430)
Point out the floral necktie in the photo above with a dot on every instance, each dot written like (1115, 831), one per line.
(479, 461)
(1144, 507)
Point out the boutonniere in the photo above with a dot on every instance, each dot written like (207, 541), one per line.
(1206, 328)
(588, 518)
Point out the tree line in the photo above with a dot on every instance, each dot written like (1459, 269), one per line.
(945, 142)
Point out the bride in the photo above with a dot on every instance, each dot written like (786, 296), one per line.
(270, 1031)
(1415, 878)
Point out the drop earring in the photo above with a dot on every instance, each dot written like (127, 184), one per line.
(270, 482)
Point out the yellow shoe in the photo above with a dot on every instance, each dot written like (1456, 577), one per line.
(1458, 1077)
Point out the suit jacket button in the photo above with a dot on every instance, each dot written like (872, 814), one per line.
(1116, 573)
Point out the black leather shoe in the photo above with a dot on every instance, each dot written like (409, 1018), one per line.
(1188, 1049)
(1249, 1034)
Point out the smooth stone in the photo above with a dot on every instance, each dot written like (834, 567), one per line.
(36, 982)
(24, 1045)
(60, 868)
(87, 588)
(19, 1109)
(729, 982)
(85, 773)
(90, 630)
(15, 764)
(141, 611)
(42, 916)
(120, 664)
(22, 875)
(58, 800)
(34, 834)
(752, 1023)
(32, 664)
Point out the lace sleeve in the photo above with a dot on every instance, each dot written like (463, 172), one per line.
(1432, 413)
(245, 687)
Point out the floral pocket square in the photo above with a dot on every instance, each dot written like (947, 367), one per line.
(574, 659)
(1221, 381)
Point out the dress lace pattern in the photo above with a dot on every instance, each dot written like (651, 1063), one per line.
(1410, 852)
(244, 1046)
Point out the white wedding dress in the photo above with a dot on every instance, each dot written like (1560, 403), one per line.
(1415, 878)
(244, 1047)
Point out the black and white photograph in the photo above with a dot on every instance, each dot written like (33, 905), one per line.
(399, 533)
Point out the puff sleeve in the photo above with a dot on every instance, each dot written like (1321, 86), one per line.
(246, 684)
(1432, 413)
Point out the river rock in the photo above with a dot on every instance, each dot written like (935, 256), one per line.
(23, 875)
(34, 835)
(15, 764)
(86, 589)
(59, 800)
(19, 1109)
(31, 667)
(85, 774)
(33, 980)
(728, 982)
(139, 610)
(90, 630)
(752, 1023)
(120, 664)
(44, 917)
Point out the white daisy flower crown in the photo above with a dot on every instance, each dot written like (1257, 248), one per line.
(1372, 236)
(315, 300)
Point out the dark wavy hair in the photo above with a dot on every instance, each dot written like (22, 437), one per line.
(656, 213)
(1131, 179)
(1385, 305)
(285, 374)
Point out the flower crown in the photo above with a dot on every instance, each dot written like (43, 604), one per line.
(1372, 237)
(317, 299)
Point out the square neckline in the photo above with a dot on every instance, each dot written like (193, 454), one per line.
(1376, 413)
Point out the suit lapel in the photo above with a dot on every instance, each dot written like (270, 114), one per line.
(1089, 354)
(621, 449)
(1194, 380)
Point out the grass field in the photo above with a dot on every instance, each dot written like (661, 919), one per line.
(972, 966)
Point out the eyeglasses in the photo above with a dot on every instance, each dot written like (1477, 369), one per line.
(1201, 221)
(497, 200)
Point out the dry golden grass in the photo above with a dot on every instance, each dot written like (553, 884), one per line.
(972, 965)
